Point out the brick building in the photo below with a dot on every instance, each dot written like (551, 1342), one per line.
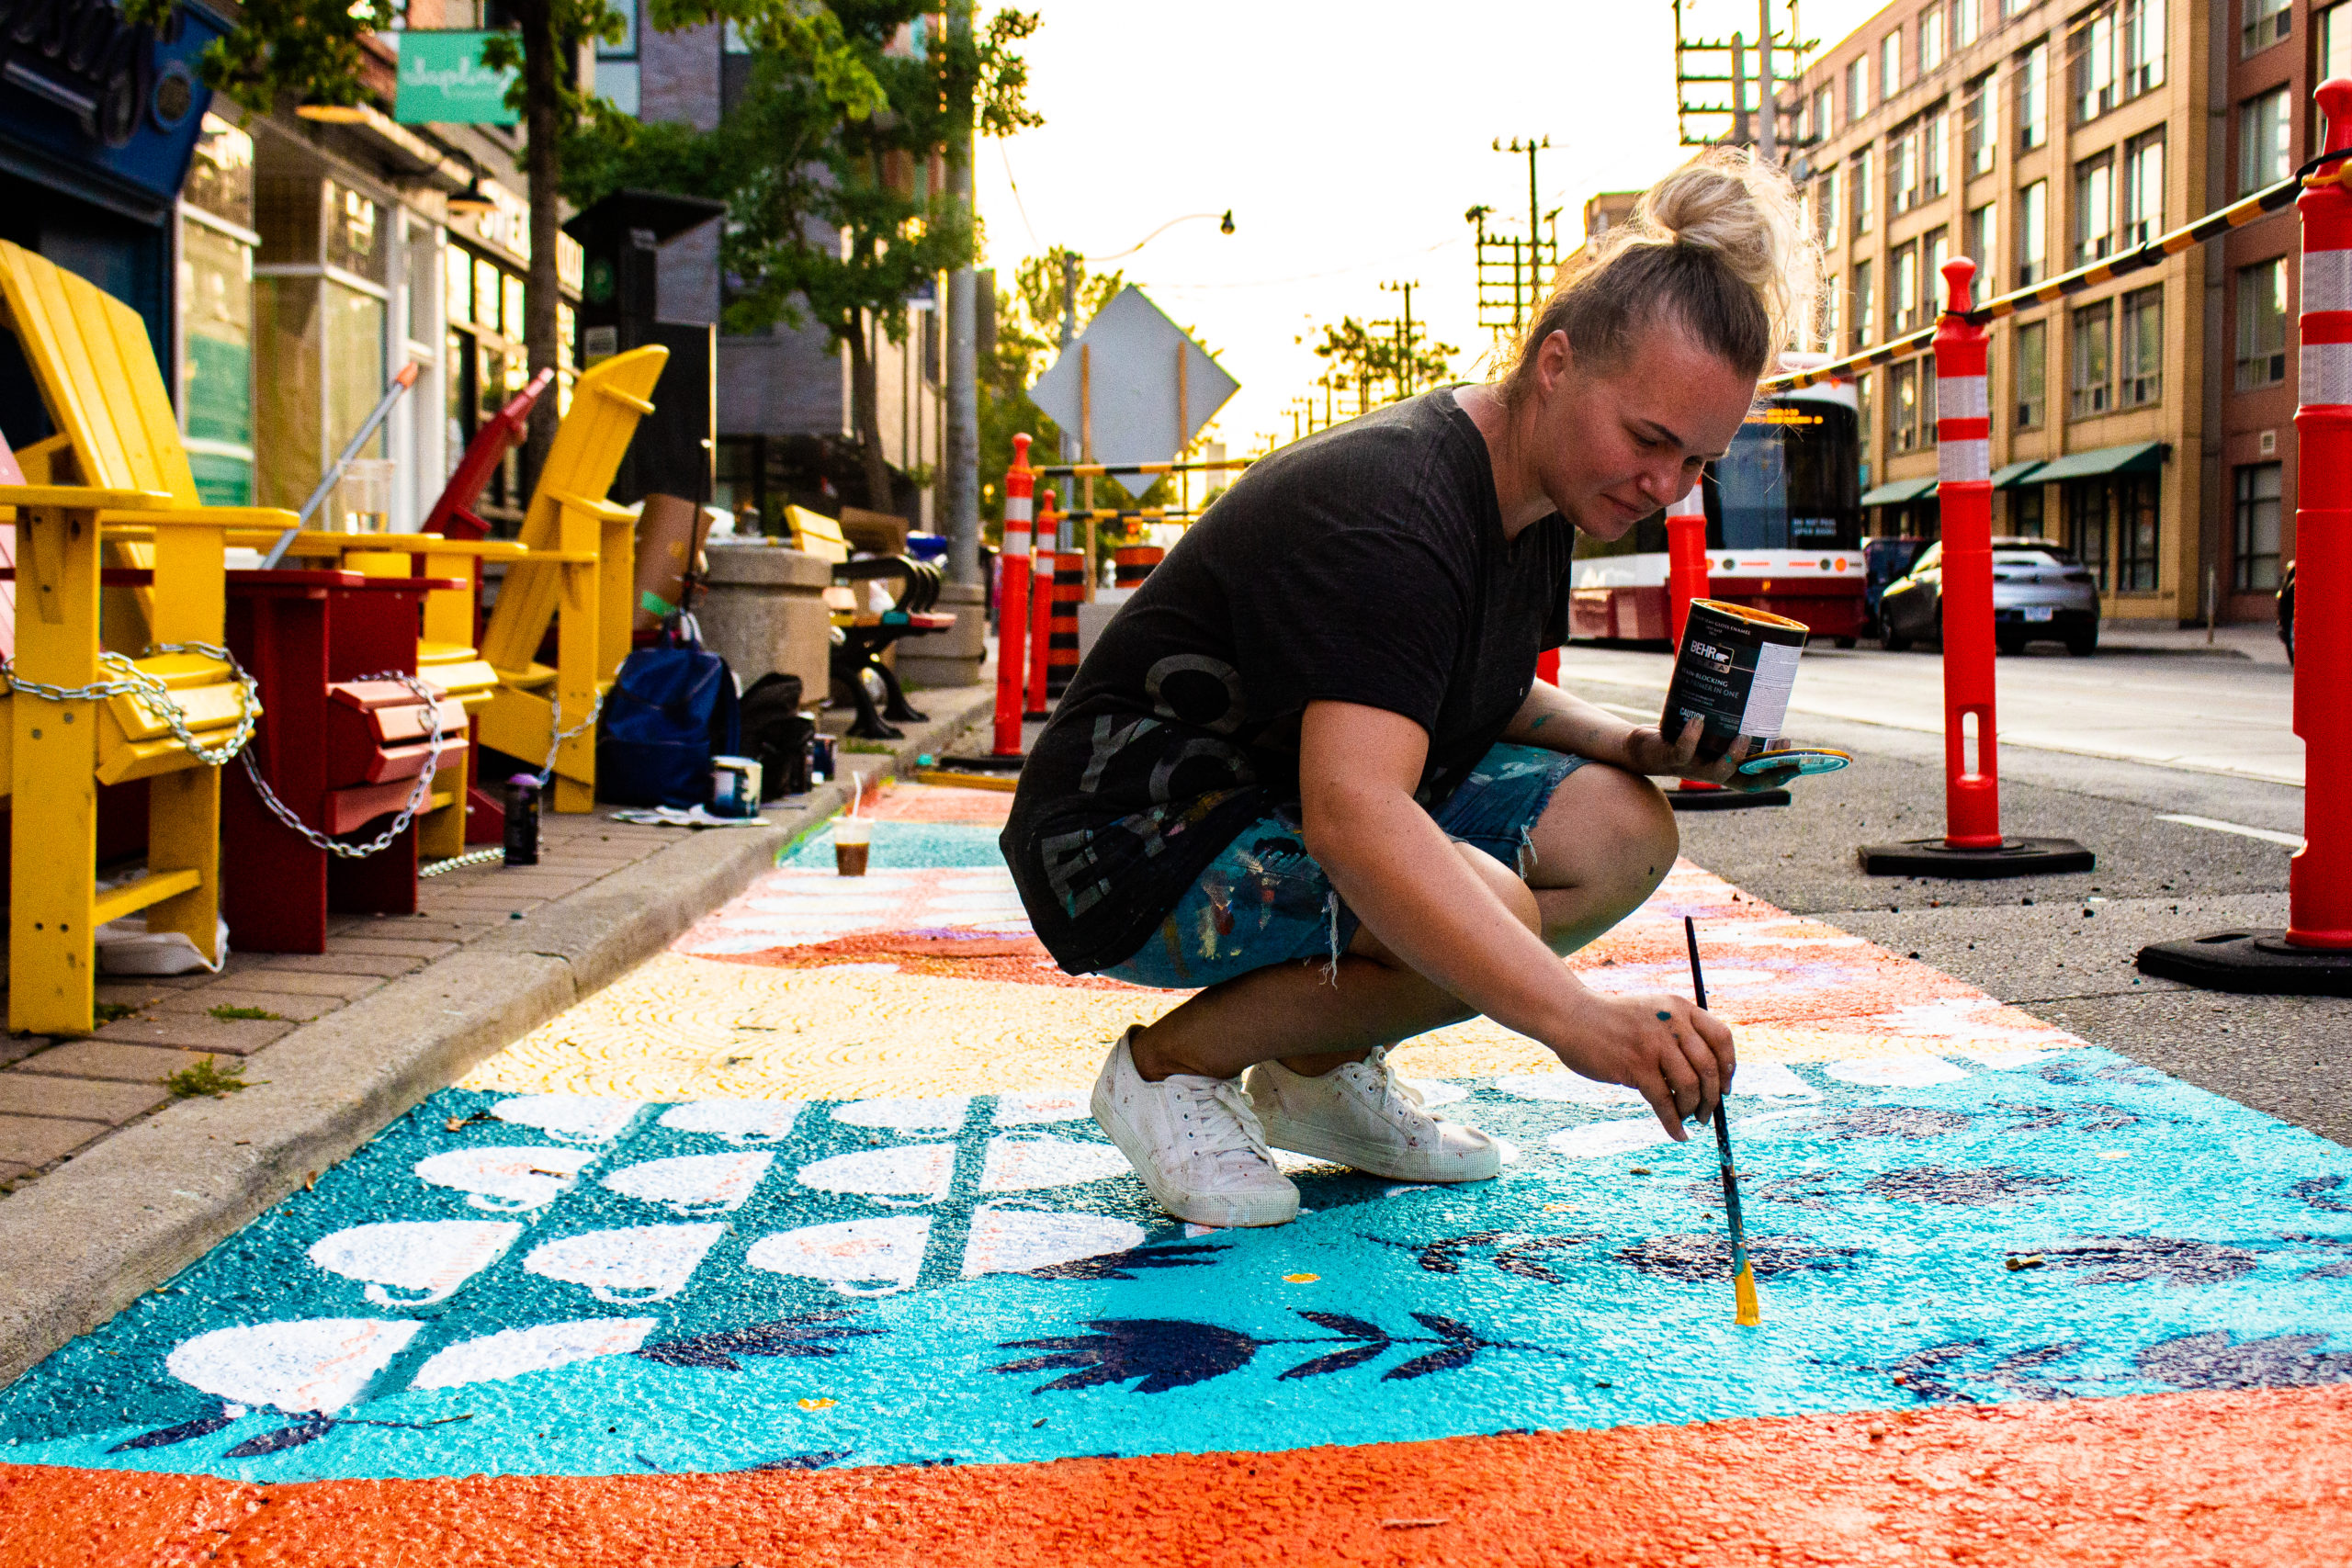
(2034, 138)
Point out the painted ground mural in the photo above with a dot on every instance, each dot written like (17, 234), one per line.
(816, 1194)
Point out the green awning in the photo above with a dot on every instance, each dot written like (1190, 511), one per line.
(2015, 476)
(1897, 491)
(2135, 458)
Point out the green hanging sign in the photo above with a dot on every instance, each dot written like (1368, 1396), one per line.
(442, 78)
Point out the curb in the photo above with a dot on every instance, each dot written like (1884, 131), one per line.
(126, 1215)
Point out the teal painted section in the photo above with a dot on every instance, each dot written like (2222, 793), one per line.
(907, 846)
(2184, 1241)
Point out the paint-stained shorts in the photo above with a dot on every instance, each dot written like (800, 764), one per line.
(1264, 901)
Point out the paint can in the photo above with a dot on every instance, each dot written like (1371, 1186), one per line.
(1735, 670)
(734, 786)
(824, 757)
(523, 819)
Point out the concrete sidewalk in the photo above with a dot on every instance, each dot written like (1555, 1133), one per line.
(113, 1183)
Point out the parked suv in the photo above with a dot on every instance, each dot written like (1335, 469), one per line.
(2039, 593)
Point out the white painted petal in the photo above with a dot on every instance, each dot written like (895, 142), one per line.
(301, 1366)
(1574, 1088)
(426, 1259)
(1022, 1165)
(508, 1177)
(512, 1352)
(942, 1113)
(737, 1120)
(1041, 1105)
(580, 1117)
(1437, 1091)
(1013, 1241)
(1770, 1080)
(1596, 1140)
(909, 1170)
(639, 1263)
(1895, 1072)
(693, 1184)
(884, 1255)
(2009, 1060)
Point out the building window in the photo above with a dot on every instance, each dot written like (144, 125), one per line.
(1890, 65)
(2262, 324)
(2032, 374)
(2033, 234)
(2266, 22)
(2032, 75)
(2025, 511)
(2090, 362)
(2142, 369)
(2143, 46)
(2335, 42)
(1931, 38)
(617, 78)
(1902, 407)
(1830, 323)
(2254, 563)
(1903, 170)
(2143, 190)
(1861, 185)
(1865, 401)
(1976, 235)
(2094, 209)
(215, 292)
(1934, 251)
(2264, 125)
(2136, 532)
(1822, 123)
(1856, 90)
(1963, 22)
(1865, 306)
(1980, 127)
(1934, 135)
(1903, 290)
(2091, 47)
(1824, 209)
(2086, 502)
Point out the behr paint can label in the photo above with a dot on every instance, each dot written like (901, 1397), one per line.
(1735, 670)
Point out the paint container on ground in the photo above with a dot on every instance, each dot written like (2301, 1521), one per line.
(852, 840)
(1735, 670)
(824, 757)
(523, 819)
(734, 786)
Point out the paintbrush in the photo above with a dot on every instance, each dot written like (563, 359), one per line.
(1751, 1314)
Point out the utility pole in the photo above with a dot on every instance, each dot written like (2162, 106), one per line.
(1065, 537)
(1407, 376)
(1708, 64)
(1768, 110)
(963, 489)
(1534, 219)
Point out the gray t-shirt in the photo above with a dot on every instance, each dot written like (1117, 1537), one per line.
(1366, 564)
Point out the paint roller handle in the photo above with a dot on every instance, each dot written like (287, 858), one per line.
(368, 428)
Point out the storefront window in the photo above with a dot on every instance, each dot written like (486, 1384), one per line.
(2086, 502)
(2254, 563)
(2136, 534)
(217, 362)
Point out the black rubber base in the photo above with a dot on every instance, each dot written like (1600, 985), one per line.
(989, 763)
(1725, 799)
(2016, 857)
(2256, 962)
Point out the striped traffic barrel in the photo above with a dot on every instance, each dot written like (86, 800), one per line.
(1135, 563)
(1062, 639)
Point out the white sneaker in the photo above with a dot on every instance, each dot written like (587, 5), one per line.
(1195, 1143)
(1360, 1115)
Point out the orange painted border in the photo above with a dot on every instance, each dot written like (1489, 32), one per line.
(2242, 1478)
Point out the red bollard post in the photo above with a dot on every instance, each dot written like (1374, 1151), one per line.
(1972, 845)
(2312, 957)
(1041, 605)
(1013, 600)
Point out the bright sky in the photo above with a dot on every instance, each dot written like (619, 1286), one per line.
(1347, 141)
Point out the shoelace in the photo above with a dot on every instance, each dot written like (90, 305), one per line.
(1242, 1144)
(1391, 1087)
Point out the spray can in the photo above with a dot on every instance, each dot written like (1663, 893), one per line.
(523, 819)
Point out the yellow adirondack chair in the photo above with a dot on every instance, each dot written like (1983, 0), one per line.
(115, 472)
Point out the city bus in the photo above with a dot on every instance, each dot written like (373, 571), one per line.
(1784, 530)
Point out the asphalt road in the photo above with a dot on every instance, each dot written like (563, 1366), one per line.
(2062, 947)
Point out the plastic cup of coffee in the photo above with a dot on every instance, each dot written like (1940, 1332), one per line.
(853, 840)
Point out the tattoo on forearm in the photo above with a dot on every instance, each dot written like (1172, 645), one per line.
(1541, 720)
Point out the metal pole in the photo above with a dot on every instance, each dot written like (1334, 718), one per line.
(1739, 89)
(1768, 112)
(962, 454)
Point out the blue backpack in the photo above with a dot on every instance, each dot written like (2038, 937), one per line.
(672, 709)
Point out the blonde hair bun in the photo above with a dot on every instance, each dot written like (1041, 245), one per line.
(1726, 200)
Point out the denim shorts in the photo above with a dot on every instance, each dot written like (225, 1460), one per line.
(1265, 901)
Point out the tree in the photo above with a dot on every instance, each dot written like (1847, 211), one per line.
(1363, 355)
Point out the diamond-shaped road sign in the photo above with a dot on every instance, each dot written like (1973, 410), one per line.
(1151, 387)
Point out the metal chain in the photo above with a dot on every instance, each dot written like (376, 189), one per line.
(459, 862)
(430, 697)
(152, 693)
(556, 717)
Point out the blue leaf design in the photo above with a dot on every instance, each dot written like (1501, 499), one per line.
(1446, 1328)
(1336, 1361)
(203, 1425)
(1341, 1324)
(1443, 1361)
(308, 1431)
(1164, 1352)
(1118, 1265)
(808, 1334)
(816, 1461)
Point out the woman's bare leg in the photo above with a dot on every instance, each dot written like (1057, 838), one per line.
(1604, 841)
